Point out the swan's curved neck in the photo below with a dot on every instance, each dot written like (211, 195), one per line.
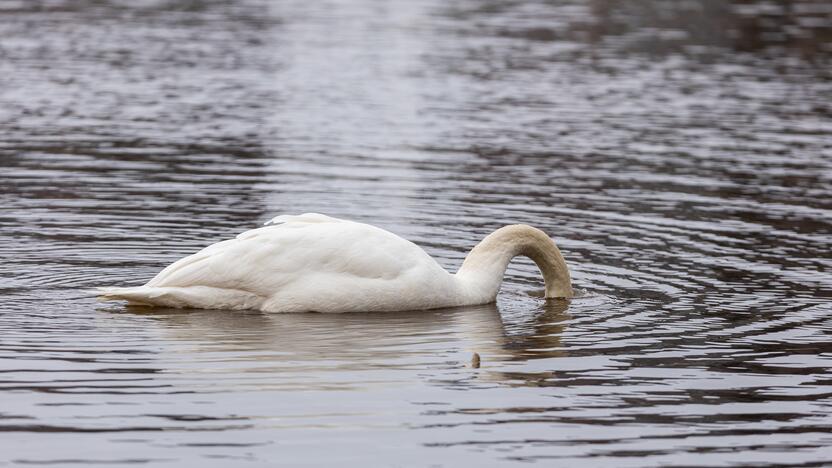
(482, 271)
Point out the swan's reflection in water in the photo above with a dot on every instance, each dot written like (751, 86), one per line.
(319, 351)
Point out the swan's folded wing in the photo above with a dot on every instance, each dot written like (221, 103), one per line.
(263, 261)
(304, 218)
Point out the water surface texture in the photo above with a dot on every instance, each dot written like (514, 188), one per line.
(679, 152)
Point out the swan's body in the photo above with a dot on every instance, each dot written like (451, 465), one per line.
(317, 263)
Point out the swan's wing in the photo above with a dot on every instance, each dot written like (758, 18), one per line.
(264, 261)
(304, 218)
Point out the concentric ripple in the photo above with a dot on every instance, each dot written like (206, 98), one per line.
(679, 153)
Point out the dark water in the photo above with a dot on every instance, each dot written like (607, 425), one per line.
(679, 152)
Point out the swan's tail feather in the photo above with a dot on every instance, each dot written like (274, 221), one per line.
(200, 297)
(141, 295)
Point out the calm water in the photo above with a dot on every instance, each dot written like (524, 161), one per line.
(679, 152)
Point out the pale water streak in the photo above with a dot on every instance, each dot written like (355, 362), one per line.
(679, 152)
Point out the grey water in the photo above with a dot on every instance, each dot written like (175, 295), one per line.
(680, 153)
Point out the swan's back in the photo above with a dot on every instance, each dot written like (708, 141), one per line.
(309, 262)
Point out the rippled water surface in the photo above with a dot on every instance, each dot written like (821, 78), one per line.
(679, 152)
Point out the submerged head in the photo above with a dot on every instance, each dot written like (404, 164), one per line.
(539, 247)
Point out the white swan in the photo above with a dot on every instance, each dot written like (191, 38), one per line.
(317, 263)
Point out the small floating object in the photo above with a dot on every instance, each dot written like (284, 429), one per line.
(475, 361)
